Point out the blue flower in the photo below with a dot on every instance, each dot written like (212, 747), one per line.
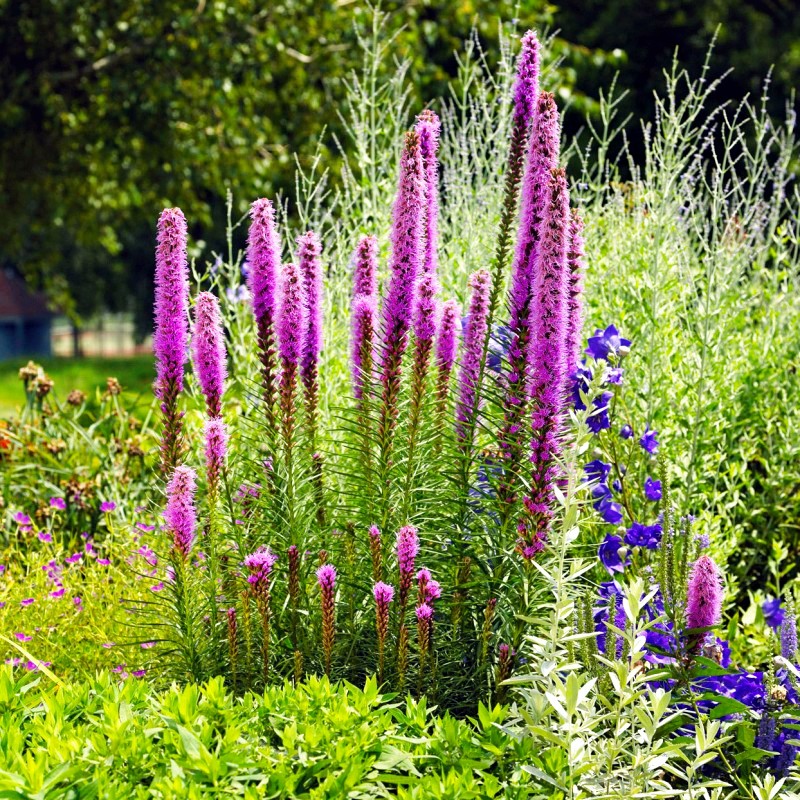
(617, 486)
(599, 420)
(597, 470)
(611, 512)
(606, 343)
(615, 376)
(245, 269)
(499, 344)
(773, 613)
(652, 489)
(649, 441)
(610, 555)
(639, 535)
(580, 383)
(626, 431)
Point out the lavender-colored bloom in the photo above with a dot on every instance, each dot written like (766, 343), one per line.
(526, 85)
(264, 257)
(433, 591)
(291, 316)
(639, 535)
(58, 503)
(364, 320)
(383, 593)
(610, 512)
(108, 506)
(612, 554)
(407, 549)
(649, 441)
(260, 564)
(789, 636)
(626, 431)
(406, 238)
(704, 594)
(449, 331)
(652, 489)
(308, 254)
(575, 261)
(773, 613)
(208, 345)
(607, 343)
(216, 436)
(424, 613)
(171, 303)
(326, 577)
(180, 513)
(365, 267)
(428, 127)
(425, 309)
(474, 337)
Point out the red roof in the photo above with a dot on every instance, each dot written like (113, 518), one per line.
(17, 300)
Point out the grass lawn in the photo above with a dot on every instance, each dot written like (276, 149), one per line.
(88, 374)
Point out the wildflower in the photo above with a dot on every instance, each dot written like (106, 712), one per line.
(76, 398)
(45, 537)
(424, 614)
(216, 438)
(613, 554)
(171, 331)
(626, 432)
(21, 518)
(58, 503)
(789, 636)
(607, 344)
(376, 552)
(108, 506)
(23, 637)
(208, 345)
(599, 420)
(474, 337)
(773, 613)
(652, 489)
(364, 320)
(648, 440)
(384, 594)
(446, 346)
(260, 564)
(326, 578)
(428, 128)
(639, 535)
(28, 601)
(407, 550)
(704, 597)
(308, 256)
(56, 593)
(180, 514)
(365, 268)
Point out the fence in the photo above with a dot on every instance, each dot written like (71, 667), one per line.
(109, 335)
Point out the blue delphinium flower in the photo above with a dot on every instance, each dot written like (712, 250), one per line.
(639, 535)
(606, 343)
(626, 431)
(610, 511)
(597, 470)
(580, 383)
(649, 441)
(610, 555)
(599, 419)
(773, 613)
(652, 489)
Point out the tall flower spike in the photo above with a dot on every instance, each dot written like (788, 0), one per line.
(789, 636)
(428, 127)
(264, 257)
(326, 578)
(576, 258)
(703, 599)
(549, 366)
(208, 345)
(384, 594)
(407, 551)
(446, 347)
(171, 327)
(365, 267)
(180, 514)
(364, 319)
(216, 436)
(469, 376)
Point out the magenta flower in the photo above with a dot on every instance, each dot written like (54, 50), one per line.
(260, 564)
(433, 591)
(526, 86)
(210, 358)
(326, 578)
(428, 128)
(21, 518)
(108, 506)
(23, 637)
(216, 436)
(45, 537)
(703, 597)
(424, 612)
(58, 503)
(449, 332)
(308, 256)
(364, 318)
(264, 258)
(171, 303)
(365, 267)
(28, 601)
(291, 316)
(180, 514)
(575, 260)
(407, 547)
(474, 338)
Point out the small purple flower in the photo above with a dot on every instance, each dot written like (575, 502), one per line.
(108, 506)
(21, 518)
(773, 613)
(611, 554)
(383, 593)
(45, 537)
(260, 564)
(597, 470)
(652, 489)
(23, 637)
(599, 420)
(639, 535)
(28, 601)
(58, 503)
(704, 594)
(607, 343)
(614, 376)
(610, 511)
(649, 441)
(626, 431)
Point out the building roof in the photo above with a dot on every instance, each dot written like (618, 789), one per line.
(17, 300)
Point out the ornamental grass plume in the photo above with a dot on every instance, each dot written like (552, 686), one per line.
(180, 514)
(384, 594)
(548, 367)
(308, 256)
(470, 372)
(703, 599)
(264, 258)
(208, 347)
(446, 348)
(326, 578)
(171, 329)
(576, 258)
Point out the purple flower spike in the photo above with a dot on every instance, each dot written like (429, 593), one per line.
(180, 513)
(264, 258)
(308, 254)
(291, 316)
(474, 338)
(407, 551)
(260, 564)
(171, 302)
(365, 267)
(575, 260)
(384, 593)
(428, 127)
(526, 86)
(703, 597)
(326, 578)
(364, 320)
(216, 435)
(789, 637)
(449, 332)
(208, 345)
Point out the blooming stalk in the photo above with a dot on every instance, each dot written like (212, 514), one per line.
(703, 599)
(407, 551)
(260, 565)
(428, 128)
(548, 367)
(384, 594)
(576, 261)
(326, 578)
(171, 329)
(446, 347)
(233, 643)
(263, 255)
(208, 346)
(376, 553)
(365, 267)
(789, 636)
(363, 344)
(180, 513)
(424, 614)
(469, 376)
